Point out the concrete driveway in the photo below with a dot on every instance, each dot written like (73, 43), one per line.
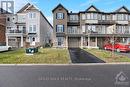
(80, 56)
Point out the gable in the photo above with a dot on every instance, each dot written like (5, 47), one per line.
(92, 9)
(123, 10)
(31, 8)
(58, 7)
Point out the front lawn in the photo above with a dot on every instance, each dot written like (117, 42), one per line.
(107, 56)
(44, 56)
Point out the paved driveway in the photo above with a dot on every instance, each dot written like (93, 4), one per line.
(80, 56)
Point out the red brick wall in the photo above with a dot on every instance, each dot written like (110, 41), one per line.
(2, 28)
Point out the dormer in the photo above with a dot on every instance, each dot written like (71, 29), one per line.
(92, 9)
(60, 7)
(123, 9)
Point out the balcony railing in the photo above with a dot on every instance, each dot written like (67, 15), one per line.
(106, 22)
(16, 31)
(77, 31)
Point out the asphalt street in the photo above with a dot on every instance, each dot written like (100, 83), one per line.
(78, 55)
(65, 76)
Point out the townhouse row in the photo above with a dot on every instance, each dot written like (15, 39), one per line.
(28, 27)
(91, 28)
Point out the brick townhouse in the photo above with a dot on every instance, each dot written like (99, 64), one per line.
(3, 27)
(90, 28)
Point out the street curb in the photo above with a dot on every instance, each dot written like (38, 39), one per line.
(81, 64)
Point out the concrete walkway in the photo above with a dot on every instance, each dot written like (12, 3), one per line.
(80, 56)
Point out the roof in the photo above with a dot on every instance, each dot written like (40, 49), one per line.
(22, 9)
(60, 5)
(27, 5)
(92, 6)
(123, 8)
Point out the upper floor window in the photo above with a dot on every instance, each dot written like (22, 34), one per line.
(59, 15)
(103, 17)
(59, 28)
(32, 15)
(73, 17)
(92, 16)
(122, 17)
(32, 29)
(73, 30)
(21, 18)
(108, 17)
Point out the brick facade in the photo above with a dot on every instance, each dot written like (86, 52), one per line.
(2, 29)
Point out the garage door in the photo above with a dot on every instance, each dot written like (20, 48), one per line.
(73, 42)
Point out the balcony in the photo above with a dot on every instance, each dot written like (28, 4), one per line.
(73, 22)
(106, 22)
(74, 32)
(15, 32)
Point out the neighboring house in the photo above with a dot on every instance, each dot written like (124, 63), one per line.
(89, 28)
(3, 14)
(28, 27)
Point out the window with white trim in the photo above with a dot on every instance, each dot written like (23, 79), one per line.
(32, 15)
(32, 29)
(59, 15)
(74, 17)
(59, 28)
(60, 41)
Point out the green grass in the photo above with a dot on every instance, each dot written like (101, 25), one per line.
(44, 56)
(107, 56)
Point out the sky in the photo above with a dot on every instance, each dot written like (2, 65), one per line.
(46, 6)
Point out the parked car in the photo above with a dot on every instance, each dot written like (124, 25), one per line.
(119, 47)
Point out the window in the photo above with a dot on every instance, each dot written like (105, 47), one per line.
(108, 17)
(32, 29)
(8, 19)
(60, 28)
(74, 17)
(73, 30)
(32, 15)
(122, 17)
(91, 28)
(21, 18)
(103, 17)
(60, 41)
(100, 17)
(92, 16)
(122, 29)
(59, 15)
